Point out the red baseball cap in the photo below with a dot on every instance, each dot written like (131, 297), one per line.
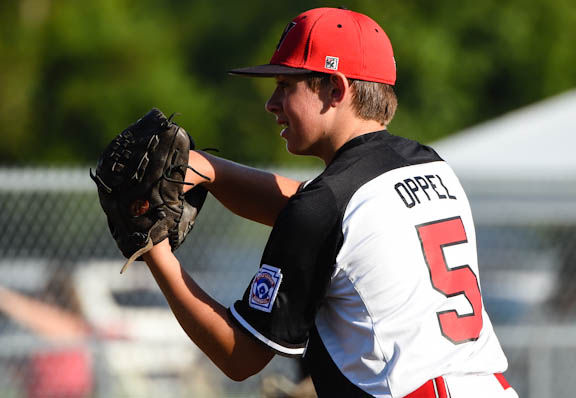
(331, 40)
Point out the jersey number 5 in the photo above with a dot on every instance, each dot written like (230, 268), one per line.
(434, 237)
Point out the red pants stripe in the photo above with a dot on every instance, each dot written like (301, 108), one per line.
(436, 388)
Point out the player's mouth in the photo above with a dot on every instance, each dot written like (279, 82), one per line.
(284, 124)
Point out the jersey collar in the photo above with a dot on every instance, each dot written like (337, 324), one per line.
(360, 140)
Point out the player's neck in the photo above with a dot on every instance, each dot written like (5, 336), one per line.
(345, 131)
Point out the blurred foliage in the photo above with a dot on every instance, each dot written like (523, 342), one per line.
(73, 73)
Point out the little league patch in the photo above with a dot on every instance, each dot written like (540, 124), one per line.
(264, 288)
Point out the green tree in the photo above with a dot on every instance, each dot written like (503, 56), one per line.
(72, 74)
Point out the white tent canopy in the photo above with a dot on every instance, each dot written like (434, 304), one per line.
(535, 142)
(520, 167)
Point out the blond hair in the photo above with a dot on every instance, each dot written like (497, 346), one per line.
(370, 100)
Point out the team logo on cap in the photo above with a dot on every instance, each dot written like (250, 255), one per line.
(331, 63)
(265, 287)
(287, 29)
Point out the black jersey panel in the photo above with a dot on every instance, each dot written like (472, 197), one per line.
(301, 246)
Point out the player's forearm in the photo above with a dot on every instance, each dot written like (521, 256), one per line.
(251, 193)
(205, 320)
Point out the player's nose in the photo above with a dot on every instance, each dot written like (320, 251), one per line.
(274, 103)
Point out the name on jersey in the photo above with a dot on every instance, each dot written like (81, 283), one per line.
(419, 189)
(265, 286)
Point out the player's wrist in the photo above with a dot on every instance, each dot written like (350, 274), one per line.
(158, 250)
(199, 171)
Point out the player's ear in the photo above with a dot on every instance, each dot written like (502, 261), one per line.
(339, 87)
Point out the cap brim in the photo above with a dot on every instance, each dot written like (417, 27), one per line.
(269, 70)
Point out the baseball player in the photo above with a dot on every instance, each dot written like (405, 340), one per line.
(370, 272)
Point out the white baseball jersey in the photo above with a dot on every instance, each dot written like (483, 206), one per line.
(371, 272)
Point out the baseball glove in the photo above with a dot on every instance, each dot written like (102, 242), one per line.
(140, 180)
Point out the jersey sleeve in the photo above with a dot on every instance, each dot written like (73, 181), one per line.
(279, 306)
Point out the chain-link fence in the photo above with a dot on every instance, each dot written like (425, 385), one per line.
(526, 230)
(71, 326)
(59, 268)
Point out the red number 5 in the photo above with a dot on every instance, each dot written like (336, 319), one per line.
(434, 237)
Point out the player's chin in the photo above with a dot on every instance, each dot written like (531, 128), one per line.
(295, 144)
(290, 146)
(293, 147)
(301, 150)
(290, 149)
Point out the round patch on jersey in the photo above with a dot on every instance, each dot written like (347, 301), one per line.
(265, 286)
